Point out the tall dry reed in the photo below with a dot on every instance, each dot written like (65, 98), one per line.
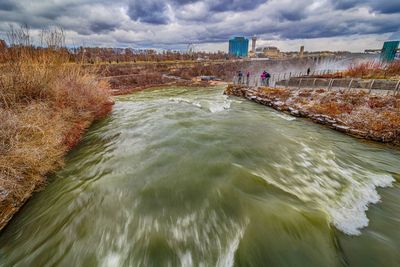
(46, 103)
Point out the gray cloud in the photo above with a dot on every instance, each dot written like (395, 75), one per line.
(102, 27)
(167, 23)
(8, 5)
(386, 7)
(151, 11)
(234, 5)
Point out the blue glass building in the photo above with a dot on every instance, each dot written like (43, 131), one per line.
(239, 47)
(389, 50)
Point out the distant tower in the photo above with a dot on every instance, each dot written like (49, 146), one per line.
(301, 54)
(253, 44)
(190, 49)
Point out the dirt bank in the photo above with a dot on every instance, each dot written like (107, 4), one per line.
(15, 191)
(358, 114)
(45, 107)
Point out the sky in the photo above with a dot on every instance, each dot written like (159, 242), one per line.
(351, 25)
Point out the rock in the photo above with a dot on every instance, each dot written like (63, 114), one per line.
(359, 133)
(303, 113)
(293, 111)
(320, 120)
(341, 128)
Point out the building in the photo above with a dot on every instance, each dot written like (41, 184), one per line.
(253, 44)
(301, 53)
(252, 52)
(373, 51)
(269, 51)
(239, 47)
(389, 50)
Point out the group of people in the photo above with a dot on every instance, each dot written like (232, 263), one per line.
(241, 78)
(265, 76)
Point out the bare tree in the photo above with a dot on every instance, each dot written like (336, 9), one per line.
(19, 36)
(52, 37)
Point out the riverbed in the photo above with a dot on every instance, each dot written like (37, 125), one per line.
(190, 177)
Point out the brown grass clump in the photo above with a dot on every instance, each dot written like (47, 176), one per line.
(331, 109)
(281, 94)
(374, 70)
(45, 105)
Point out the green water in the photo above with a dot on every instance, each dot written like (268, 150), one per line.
(189, 177)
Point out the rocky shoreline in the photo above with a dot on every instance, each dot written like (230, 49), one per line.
(284, 100)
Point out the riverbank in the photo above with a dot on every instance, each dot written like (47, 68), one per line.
(358, 114)
(45, 107)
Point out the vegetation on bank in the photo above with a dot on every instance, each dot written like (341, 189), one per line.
(45, 105)
(368, 70)
(374, 70)
(357, 113)
(110, 55)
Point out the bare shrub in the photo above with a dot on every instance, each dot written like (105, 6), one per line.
(374, 70)
(45, 105)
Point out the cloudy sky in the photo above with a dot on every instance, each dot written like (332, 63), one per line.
(352, 25)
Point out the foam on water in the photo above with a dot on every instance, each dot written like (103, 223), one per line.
(343, 191)
(193, 228)
(284, 116)
(214, 105)
(183, 100)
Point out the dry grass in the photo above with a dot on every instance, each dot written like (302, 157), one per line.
(374, 70)
(45, 105)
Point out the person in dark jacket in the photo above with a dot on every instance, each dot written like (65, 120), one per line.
(240, 77)
(267, 77)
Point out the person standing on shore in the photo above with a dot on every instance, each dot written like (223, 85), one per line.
(263, 77)
(240, 76)
(267, 77)
(308, 71)
(248, 78)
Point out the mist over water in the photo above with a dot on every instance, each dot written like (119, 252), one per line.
(190, 177)
(295, 67)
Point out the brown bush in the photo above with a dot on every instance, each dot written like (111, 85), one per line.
(281, 94)
(45, 105)
(332, 109)
(374, 70)
(393, 69)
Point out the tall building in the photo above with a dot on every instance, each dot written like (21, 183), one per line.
(389, 50)
(239, 47)
(301, 54)
(253, 44)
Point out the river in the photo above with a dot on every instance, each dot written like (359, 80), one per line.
(190, 177)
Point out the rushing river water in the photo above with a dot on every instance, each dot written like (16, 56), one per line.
(189, 177)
